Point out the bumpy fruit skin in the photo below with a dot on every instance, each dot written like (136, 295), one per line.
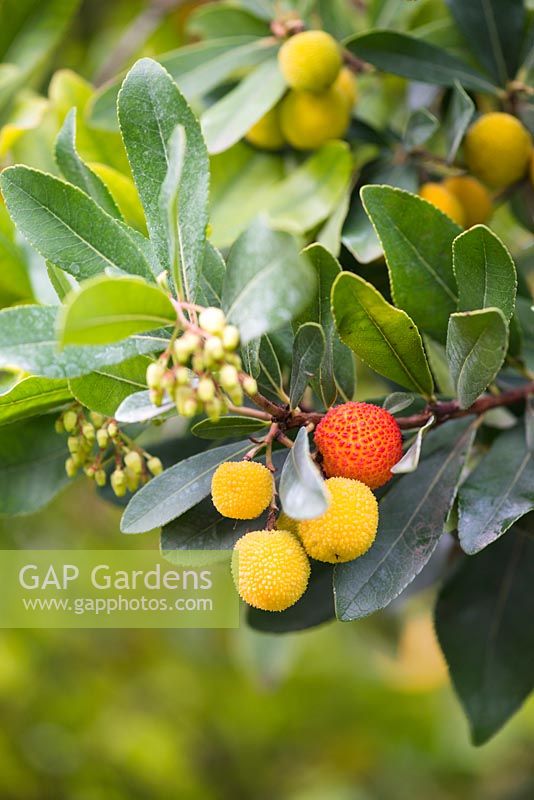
(497, 149)
(310, 61)
(436, 194)
(267, 133)
(348, 527)
(360, 441)
(271, 570)
(309, 120)
(473, 196)
(241, 489)
(345, 83)
(285, 523)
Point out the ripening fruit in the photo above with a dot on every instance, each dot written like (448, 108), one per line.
(440, 197)
(531, 171)
(241, 489)
(309, 120)
(497, 149)
(272, 569)
(473, 196)
(267, 133)
(310, 61)
(345, 83)
(348, 527)
(285, 523)
(361, 441)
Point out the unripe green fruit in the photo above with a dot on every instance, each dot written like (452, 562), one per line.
(310, 61)
(266, 133)
(212, 320)
(497, 149)
(134, 461)
(154, 465)
(70, 421)
(310, 120)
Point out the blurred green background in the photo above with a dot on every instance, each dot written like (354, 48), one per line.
(360, 711)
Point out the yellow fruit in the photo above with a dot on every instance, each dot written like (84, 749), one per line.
(345, 83)
(309, 120)
(271, 570)
(497, 149)
(310, 61)
(266, 133)
(285, 523)
(532, 168)
(348, 527)
(474, 198)
(440, 197)
(241, 489)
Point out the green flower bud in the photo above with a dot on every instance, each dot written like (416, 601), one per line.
(228, 377)
(198, 363)
(90, 471)
(132, 479)
(163, 281)
(102, 438)
(236, 395)
(58, 425)
(230, 337)
(73, 443)
(71, 468)
(212, 320)
(113, 430)
(134, 461)
(168, 381)
(154, 374)
(100, 477)
(88, 431)
(214, 409)
(205, 390)
(250, 386)
(155, 396)
(118, 482)
(97, 419)
(183, 376)
(155, 467)
(213, 349)
(70, 420)
(185, 346)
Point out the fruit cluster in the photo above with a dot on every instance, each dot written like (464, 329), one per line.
(359, 443)
(498, 152)
(320, 99)
(94, 441)
(200, 371)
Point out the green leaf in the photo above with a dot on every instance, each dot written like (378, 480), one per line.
(483, 621)
(106, 388)
(78, 173)
(106, 310)
(302, 489)
(66, 227)
(197, 69)
(384, 337)
(266, 283)
(497, 493)
(270, 379)
(224, 19)
(461, 112)
(476, 347)
(137, 407)
(28, 341)
(150, 108)
(230, 427)
(59, 280)
(15, 284)
(417, 240)
(421, 126)
(32, 465)
(308, 352)
(314, 607)
(177, 489)
(202, 528)
(439, 366)
(31, 397)
(337, 362)
(397, 402)
(310, 193)
(211, 278)
(416, 59)
(485, 272)
(227, 121)
(494, 30)
(170, 211)
(410, 460)
(412, 517)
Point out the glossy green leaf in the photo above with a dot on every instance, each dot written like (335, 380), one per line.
(202, 528)
(225, 19)
(461, 112)
(412, 518)
(383, 336)
(31, 397)
(494, 30)
(106, 310)
(170, 211)
(485, 272)
(308, 352)
(302, 489)
(137, 407)
(67, 227)
(410, 460)
(227, 121)
(416, 59)
(28, 341)
(266, 283)
(270, 379)
(497, 493)
(310, 193)
(78, 173)
(61, 282)
(211, 278)
(230, 427)
(32, 465)
(422, 124)
(106, 388)
(417, 240)
(150, 108)
(476, 347)
(15, 284)
(483, 622)
(397, 402)
(177, 489)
